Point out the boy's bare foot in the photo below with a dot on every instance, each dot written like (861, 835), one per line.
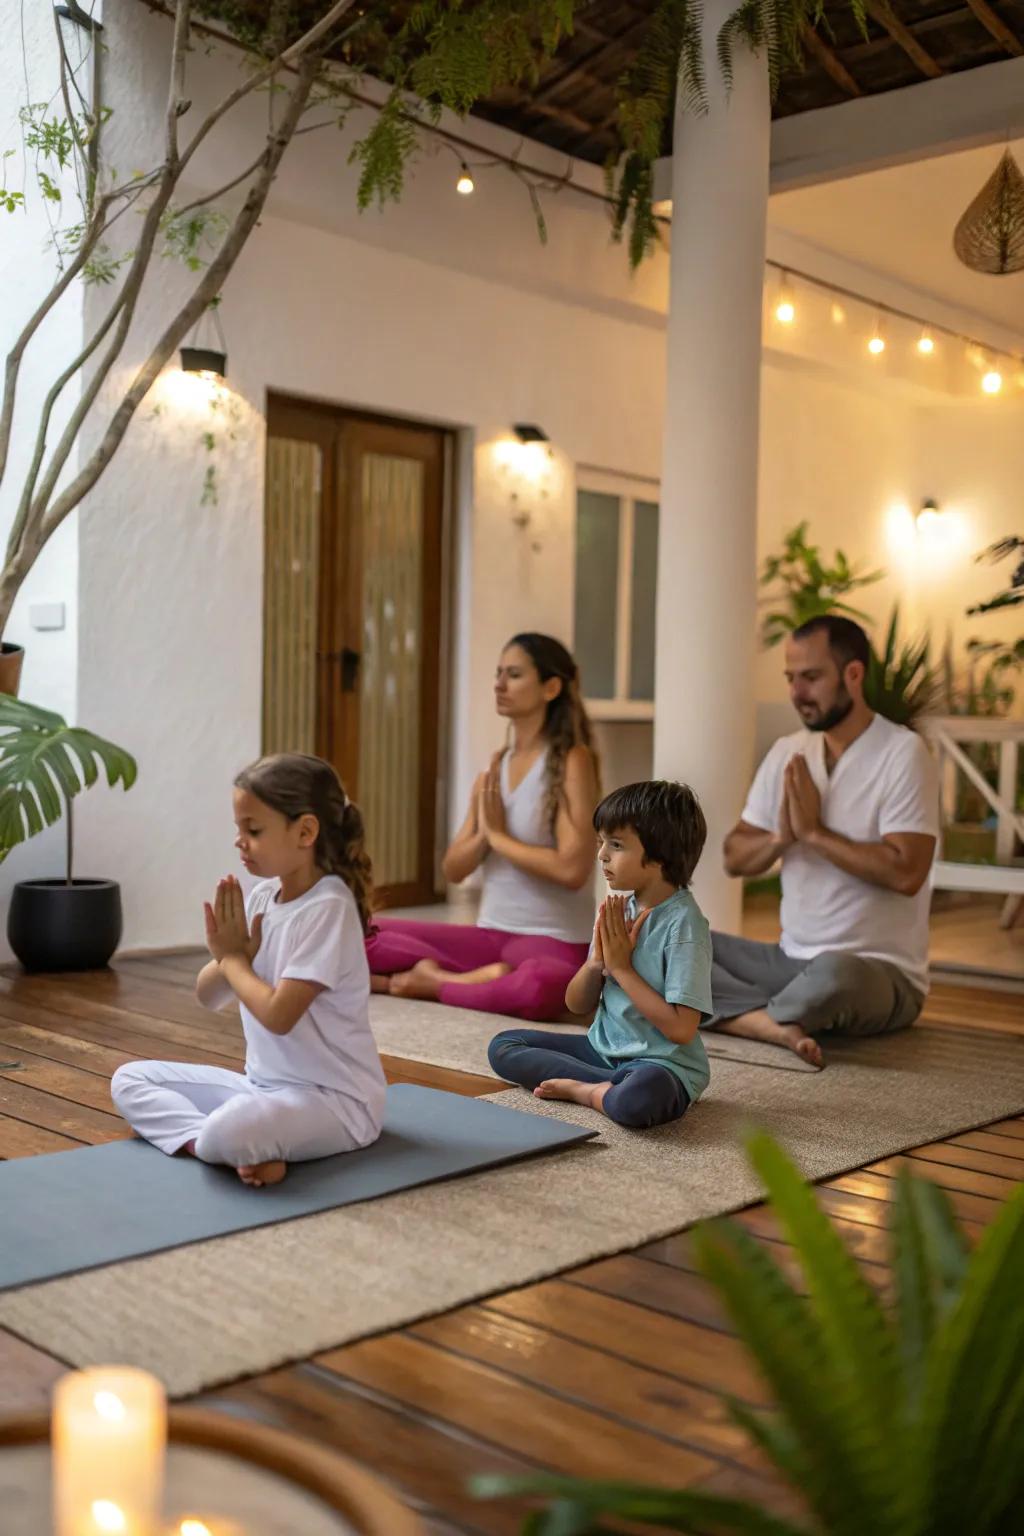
(758, 1025)
(569, 1089)
(258, 1174)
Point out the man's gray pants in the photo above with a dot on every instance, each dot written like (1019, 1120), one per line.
(836, 991)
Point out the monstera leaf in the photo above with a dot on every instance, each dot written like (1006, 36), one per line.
(44, 764)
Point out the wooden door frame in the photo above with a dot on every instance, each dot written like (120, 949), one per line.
(325, 422)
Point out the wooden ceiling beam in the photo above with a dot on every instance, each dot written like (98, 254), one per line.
(829, 60)
(579, 69)
(886, 17)
(997, 28)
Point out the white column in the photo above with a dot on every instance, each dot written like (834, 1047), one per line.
(704, 693)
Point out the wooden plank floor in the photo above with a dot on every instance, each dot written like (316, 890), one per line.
(613, 1369)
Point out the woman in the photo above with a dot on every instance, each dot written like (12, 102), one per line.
(529, 824)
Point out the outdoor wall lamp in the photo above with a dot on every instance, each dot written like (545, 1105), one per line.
(207, 360)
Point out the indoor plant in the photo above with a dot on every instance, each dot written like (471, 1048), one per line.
(57, 924)
(894, 1418)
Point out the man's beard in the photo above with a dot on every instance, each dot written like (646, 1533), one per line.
(834, 715)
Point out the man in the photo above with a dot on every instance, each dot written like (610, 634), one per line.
(850, 805)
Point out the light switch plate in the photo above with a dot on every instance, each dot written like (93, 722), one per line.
(46, 615)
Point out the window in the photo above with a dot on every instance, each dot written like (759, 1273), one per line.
(616, 579)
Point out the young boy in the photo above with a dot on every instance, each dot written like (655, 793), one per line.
(642, 1061)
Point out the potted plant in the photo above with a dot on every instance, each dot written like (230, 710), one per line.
(68, 924)
(899, 1416)
(807, 587)
(901, 683)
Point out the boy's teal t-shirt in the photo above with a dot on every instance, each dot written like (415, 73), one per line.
(673, 955)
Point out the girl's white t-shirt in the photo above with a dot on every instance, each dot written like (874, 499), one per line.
(317, 937)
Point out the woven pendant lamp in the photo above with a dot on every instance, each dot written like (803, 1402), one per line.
(990, 234)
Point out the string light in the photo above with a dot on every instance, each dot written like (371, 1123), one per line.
(785, 309)
(996, 376)
(465, 183)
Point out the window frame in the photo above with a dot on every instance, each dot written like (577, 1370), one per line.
(628, 490)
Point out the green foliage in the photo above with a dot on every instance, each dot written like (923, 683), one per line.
(670, 58)
(806, 587)
(896, 1419)
(44, 764)
(192, 236)
(901, 682)
(1014, 593)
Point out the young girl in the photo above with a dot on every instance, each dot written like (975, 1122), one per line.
(293, 956)
(529, 826)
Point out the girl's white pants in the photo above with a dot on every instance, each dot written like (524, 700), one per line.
(230, 1119)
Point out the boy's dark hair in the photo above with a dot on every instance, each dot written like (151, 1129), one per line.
(667, 819)
(846, 640)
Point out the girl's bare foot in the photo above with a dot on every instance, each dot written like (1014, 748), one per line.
(258, 1174)
(572, 1091)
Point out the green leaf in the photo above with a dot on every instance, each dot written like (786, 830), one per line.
(44, 763)
(582, 1501)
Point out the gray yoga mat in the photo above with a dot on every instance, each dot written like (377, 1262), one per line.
(68, 1211)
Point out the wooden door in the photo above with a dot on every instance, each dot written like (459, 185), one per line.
(353, 619)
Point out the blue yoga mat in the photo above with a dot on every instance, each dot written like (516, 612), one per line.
(68, 1211)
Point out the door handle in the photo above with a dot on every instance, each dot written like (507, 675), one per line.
(350, 669)
(350, 661)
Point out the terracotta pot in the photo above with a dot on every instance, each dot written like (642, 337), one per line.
(11, 658)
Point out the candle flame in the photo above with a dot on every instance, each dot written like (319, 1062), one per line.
(109, 1406)
(108, 1517)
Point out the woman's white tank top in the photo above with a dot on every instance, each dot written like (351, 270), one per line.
(517, 902)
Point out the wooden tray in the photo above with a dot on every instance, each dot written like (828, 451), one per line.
(284, 1477)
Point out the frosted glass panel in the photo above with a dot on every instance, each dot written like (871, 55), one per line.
(645, 580)
(597, 590)
(290, 596)
(389, 734)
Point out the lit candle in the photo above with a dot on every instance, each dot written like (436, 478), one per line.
(109, 1432)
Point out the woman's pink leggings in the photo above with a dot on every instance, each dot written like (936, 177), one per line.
(534, 989)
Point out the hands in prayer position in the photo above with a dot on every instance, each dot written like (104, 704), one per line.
(227, 932)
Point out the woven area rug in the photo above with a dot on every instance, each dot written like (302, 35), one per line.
(458, 1037)
(238, 1305)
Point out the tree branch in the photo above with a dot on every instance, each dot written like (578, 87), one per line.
(44, 525)
(285, 60)
(176, 89)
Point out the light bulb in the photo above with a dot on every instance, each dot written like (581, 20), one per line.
(925, 344)
(785, 309)
(876, 346)
(992, 382)
(838, 314)
(194, 1528)
(108, 1516)
(465, 183)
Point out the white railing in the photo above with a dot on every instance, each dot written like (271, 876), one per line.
(947, 735)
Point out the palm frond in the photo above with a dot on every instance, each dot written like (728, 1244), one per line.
(578, 1503)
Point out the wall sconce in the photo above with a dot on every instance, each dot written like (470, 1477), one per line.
(530, 434)
(211, 362)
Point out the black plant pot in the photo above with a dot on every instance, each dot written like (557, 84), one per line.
(53, 926)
